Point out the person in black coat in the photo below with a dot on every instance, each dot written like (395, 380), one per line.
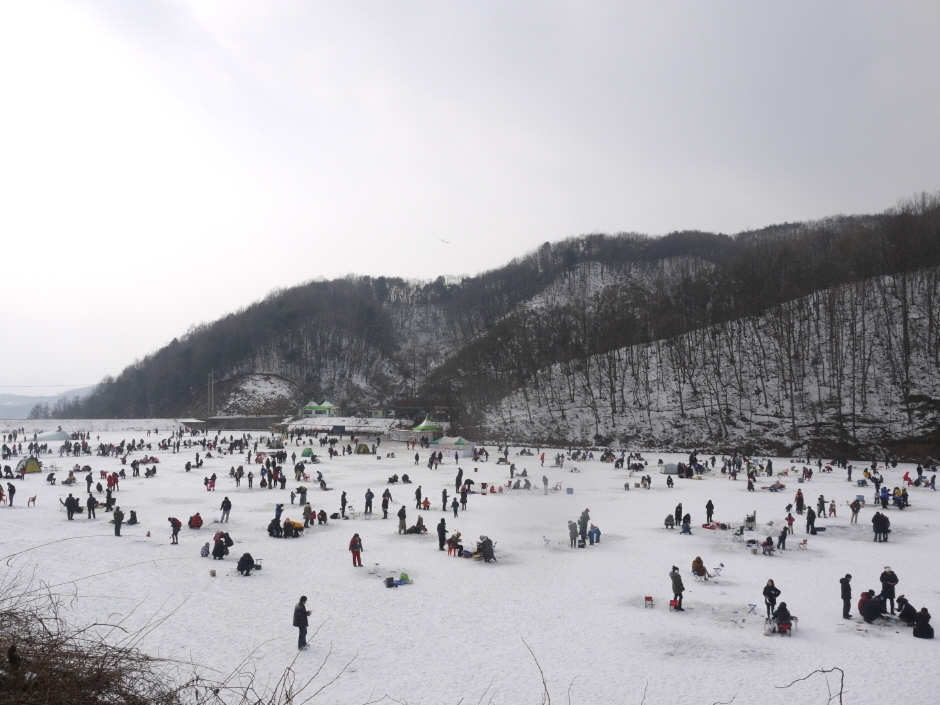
(219, 550)
(274, 528)
(906, 611)
(922, 628)
(441, 534)
(846, 596)
(888, 580)
(245, 564)
(573, 533)
(872, 609)
(91, 503)
(810, 521)
(300, 621)
(709, 511)
(781, 615)
(771, 593)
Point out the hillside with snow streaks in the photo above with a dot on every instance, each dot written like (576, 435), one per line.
(828, 368)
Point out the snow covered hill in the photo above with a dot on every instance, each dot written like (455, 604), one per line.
(865, 348)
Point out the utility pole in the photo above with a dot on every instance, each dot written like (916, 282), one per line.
(209, 392)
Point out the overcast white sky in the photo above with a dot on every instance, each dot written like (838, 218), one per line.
(164, 163)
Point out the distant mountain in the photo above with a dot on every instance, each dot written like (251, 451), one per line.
(18, 406)
(475, 344)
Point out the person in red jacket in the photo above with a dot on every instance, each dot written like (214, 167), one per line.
(355, 547)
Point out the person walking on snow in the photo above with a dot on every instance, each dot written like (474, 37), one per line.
(401, 520)
(300, 621)
(418, 497)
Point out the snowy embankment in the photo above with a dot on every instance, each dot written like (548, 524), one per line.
(352, 424)
(96, 426)
(456, 634)
(750, 381)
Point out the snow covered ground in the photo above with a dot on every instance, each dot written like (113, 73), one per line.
(457, 633)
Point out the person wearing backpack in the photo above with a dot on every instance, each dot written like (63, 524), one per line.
(175, 526)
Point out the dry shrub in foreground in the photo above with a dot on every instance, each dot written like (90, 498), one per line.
(45, 660)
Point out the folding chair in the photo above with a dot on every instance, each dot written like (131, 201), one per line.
(698, 578)
(673, 605)
(802, 545)
(752, 609)
(717, 571)
(649, 602)
(557, 487)
(738, 535)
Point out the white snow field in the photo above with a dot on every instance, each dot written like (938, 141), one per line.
(456, 634)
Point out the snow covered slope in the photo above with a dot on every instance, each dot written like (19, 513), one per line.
(747, 382)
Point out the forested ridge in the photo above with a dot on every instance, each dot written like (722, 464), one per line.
(477, 342)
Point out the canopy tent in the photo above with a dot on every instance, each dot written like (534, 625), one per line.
(669, 469)
(363, 449)
(428, 428)
(455, 443)
(307, 452)
(28, 465)
(52, 436)
(327, 408)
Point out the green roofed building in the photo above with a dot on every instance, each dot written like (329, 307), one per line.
(324, 409)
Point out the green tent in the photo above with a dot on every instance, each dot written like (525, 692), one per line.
(427, 425)
(28, 465)
(308, 452)
(363, 449)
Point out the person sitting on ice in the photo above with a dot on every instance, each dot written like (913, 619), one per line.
(321, 517)
(782, 616)
(669, 482)
(195, 521)
(594, 535)
(393, 479)
(699, 570)
(418, 527)
(922, 628)
(454, 542)
(906, 611)
(274, 528)
(133, 518)
(204, 551)
(686, 525)
(405, 479)
(426, 504)
(670, 522)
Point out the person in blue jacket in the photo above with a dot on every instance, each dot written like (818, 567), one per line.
(594, 535)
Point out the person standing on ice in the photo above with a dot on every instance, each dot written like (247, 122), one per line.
(544, 484)
(226, 508)
(542, 458)
(418, 497)
(175, 526)
(300, 621)
(677, 587)
(889, 580)
(678, 513)
(369, 497)
(583, 521)
(342, 504)
(386, 498)
(402, 514)
(444, 500)
(459, 481)
(810, 521)
(355, 547)
(709, 511)
(771, 593)
(417, 458)
(91, 503)
(846, 588)
(118, 520)
(454, 505)
(782, 539)
(441, 533)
